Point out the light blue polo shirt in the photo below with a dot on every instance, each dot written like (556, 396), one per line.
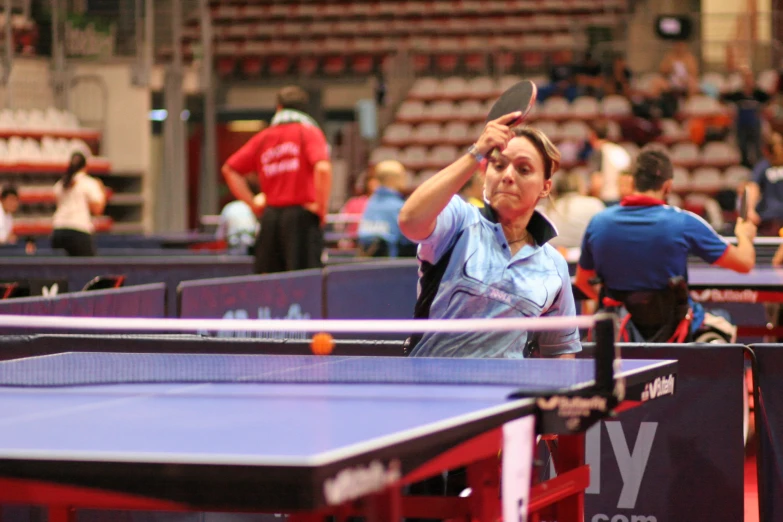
(483, 280)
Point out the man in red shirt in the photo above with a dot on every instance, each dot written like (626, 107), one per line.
(291, 158)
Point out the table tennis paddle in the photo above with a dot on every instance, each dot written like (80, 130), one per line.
(519, 97)
(743, 204)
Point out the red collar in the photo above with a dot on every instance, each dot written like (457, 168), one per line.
(640, 200)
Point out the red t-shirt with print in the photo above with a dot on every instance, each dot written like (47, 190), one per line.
(284, 157)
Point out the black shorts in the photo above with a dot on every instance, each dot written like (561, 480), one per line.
(290, 239)
(75, 242)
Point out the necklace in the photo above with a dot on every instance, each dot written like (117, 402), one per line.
(523, 238)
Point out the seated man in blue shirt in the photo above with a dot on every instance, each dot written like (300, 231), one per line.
(643, 244)
(379, 234)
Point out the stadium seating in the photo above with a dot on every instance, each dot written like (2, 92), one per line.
(35, 147)
(443, 115)
(255, 38)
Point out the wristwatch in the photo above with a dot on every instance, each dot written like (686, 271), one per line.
(477, 155)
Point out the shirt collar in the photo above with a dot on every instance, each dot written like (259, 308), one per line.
(640, 200)
(382, 191)
(539, 226)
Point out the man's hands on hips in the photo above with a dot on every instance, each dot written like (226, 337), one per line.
(316, 209)
(258, 204)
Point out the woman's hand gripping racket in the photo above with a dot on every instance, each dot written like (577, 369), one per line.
(511, 109)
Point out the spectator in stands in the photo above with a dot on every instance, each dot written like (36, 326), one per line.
(379, 233)
(750, 102)
(238, 227)
(473, 191)
(355, 206)
(572, 210)
(562, 78)
(590, 77)
(9, 200)
(79, 197)
(380, 90)
(680, 71)
(291, 158)
(618, 80)
(495, 261)
(353, 209)
(606, 163)
(642, 245)
(765, 189)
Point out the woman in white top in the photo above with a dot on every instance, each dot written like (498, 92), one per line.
(79, 197)
(571, 210)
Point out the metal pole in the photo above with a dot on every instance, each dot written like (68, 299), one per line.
(172, 207)
(58, 56)
(144, 12)
(149, 37)
(9, 44)
(208, 179)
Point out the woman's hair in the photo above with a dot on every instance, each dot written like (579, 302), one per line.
(548, 151)
(78, 162)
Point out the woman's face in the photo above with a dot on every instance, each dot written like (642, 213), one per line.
(514, 184)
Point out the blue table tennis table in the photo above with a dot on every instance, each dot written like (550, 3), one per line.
(276, 433)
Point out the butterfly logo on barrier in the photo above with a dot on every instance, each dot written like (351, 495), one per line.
(51, 291)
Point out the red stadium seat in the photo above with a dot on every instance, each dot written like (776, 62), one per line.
(476, 62)
(504, 60)
(447, 62)
(362, 64)
(279, 65)
(533, 59)
(334, 65)
(307, 65)
(421, 62)
(251, 66)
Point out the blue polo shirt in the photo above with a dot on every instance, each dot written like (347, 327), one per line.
(770, 182)
(480, 279)
(379, 220)
(642, 244)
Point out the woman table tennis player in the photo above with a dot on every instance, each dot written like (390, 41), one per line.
(492, 262)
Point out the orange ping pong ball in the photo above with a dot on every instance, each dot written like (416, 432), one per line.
(322, 344)
(780, 232)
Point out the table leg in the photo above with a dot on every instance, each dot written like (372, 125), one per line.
(570, 455)
(61, 514)
(384, 507)
(483, 480)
